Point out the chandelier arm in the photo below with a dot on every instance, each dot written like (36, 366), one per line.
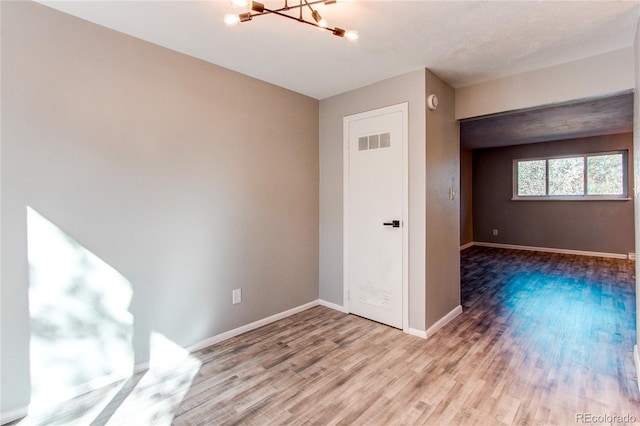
(309, 6)
(287, 7)
(279, 13)
(320, 23)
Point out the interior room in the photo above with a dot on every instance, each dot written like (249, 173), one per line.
(351, 212)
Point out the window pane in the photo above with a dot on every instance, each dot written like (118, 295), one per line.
(532, 178)
(605, 175)
(566, 176)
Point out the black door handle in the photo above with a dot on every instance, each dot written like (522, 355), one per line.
(394, 223)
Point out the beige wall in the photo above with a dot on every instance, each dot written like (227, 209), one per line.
(607, 73)
(405, 88)
(598, 226)
(442, 213)
(187, 178)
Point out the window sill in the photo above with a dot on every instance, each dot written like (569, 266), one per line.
(571, 199)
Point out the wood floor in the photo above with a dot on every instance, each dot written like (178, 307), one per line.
(543, 338)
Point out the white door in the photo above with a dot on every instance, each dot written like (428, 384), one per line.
(375, 214)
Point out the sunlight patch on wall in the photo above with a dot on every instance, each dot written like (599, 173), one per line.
(81, 329)
(82, 341)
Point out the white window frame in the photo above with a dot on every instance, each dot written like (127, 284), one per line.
(625, 179)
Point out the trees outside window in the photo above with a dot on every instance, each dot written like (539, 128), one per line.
(588, 176)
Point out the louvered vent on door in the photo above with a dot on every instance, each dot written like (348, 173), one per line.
(363, 143)
(366, 143)
(385, 140)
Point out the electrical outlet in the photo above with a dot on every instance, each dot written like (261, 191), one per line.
(495, 232)
(237, 295)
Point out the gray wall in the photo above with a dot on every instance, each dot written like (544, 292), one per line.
(600, 226)
(405, 88)
(442, 213)
(466, 196)
(187, 178)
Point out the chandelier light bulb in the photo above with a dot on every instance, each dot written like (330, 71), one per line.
(319, 20)
(352, 35)
(231, 19)
(241, 3)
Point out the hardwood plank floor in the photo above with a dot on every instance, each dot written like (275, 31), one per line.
(543, 338)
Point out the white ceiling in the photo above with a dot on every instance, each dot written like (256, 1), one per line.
(464, 42)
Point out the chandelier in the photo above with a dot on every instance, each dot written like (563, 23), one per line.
(288, 11)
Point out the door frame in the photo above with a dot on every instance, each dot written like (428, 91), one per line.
(404, 109)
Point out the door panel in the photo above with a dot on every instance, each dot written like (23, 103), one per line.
(375, 197)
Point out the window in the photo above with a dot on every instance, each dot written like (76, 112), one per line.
(589, 176)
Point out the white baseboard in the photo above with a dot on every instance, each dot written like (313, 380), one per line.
(243, 329)
(412, 331)
(554, 250)
(333, 306)
(466, 246)
(437, 326)
(443, 321)
(15, 414)
(636, 359)
(416, 332)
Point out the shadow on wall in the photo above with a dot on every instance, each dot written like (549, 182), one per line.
(82, 340)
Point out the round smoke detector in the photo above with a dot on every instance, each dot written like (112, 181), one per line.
(432, 102)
